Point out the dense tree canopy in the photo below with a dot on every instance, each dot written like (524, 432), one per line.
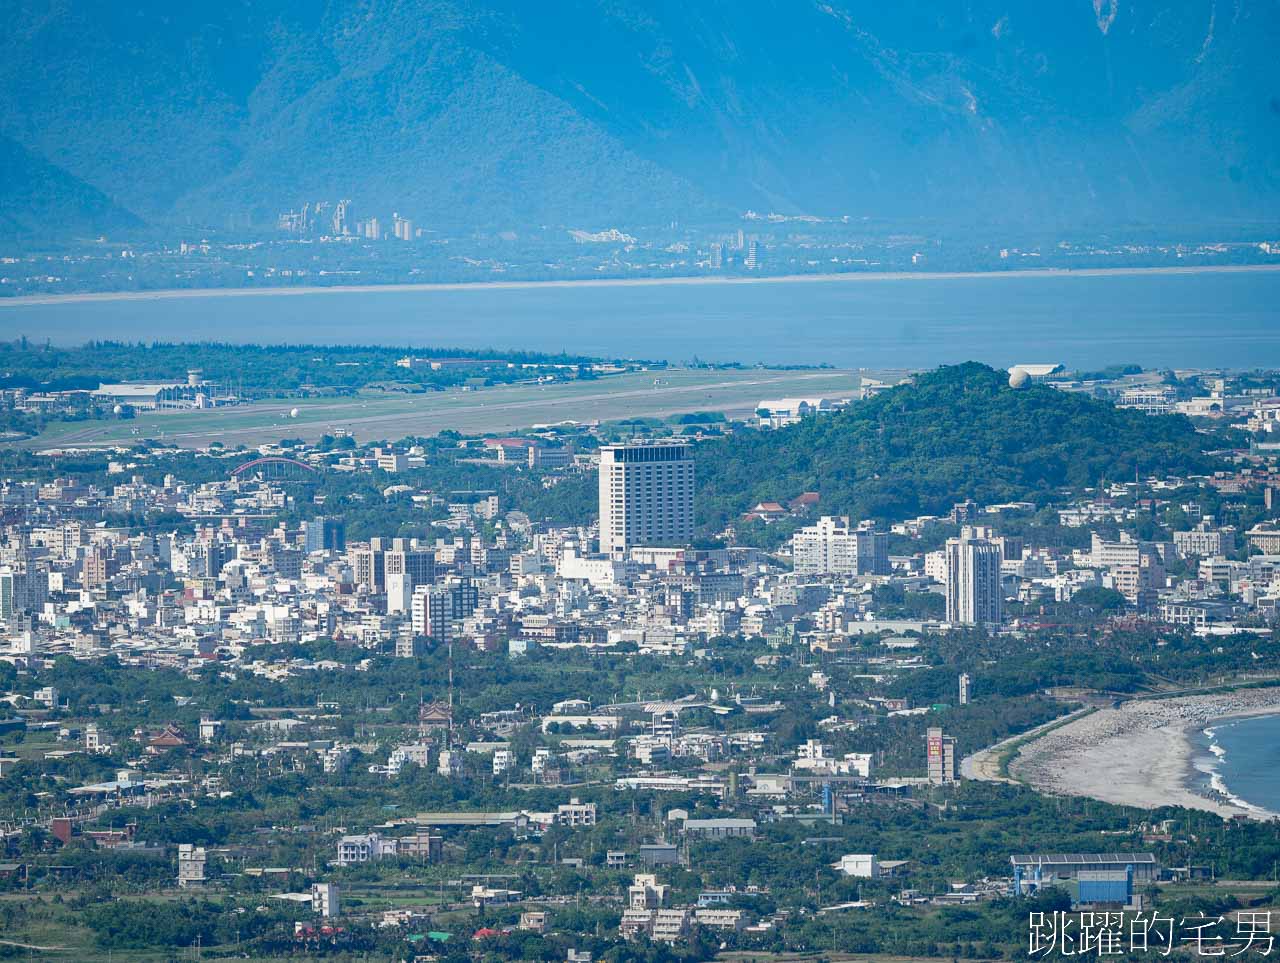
(957, 432)
(252, 367)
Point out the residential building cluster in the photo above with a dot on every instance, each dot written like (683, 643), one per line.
(256, 572)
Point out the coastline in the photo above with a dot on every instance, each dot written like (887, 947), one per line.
(456, 286)
(1141, 753)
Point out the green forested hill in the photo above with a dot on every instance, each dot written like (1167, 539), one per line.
(956, 432)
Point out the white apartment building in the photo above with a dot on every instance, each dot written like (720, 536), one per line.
(862, 865)
(418, 753)
(598, 572)
(391, 461)
(935, 566)
(363, 848)
(812, 754)
(1265, 540)
(191, 860)
(399, 593)
(95, 740)
(335, 759)
(1151, 399)
(1218, 570)
(719, 919)
(324, 899)
(646, 496)
(1126, 551)
(973, 579)
(541, 757)
(438, 610)
(670, 925)
(646, 892)
(575, 813)
(635, 923)
(833, 547)
(1140, 583)
(1205, 541)
(503, 759)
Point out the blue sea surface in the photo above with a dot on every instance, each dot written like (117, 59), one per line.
(1229, 320)
(1242, 760)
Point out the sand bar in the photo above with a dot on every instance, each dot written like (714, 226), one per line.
(392, 288)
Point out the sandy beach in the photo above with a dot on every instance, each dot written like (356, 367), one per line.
(1139, 754)
(860, 276)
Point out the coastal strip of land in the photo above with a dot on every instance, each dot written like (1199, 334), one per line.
(392, 288)
(1140, 753)
(988, 765)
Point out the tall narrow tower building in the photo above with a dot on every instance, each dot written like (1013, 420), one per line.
(646, 496)
(973, 579)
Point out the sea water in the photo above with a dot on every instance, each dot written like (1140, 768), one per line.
(1240, 759)
(1229, 320)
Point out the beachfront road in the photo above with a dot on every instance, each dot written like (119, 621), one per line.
(984, 765)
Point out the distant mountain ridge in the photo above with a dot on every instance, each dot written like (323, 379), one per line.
(596, 114)
(35, 195)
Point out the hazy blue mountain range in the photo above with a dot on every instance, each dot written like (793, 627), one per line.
(591, 113)
(35, 195)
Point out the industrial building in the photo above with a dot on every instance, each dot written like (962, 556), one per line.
(1070, 865)
(1104, 887)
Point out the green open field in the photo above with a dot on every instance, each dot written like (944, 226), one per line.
(376, 415)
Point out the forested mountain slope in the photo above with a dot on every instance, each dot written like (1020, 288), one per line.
(502, 113)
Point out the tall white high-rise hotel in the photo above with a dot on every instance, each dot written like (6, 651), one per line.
(646, 496)
(973, 578)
